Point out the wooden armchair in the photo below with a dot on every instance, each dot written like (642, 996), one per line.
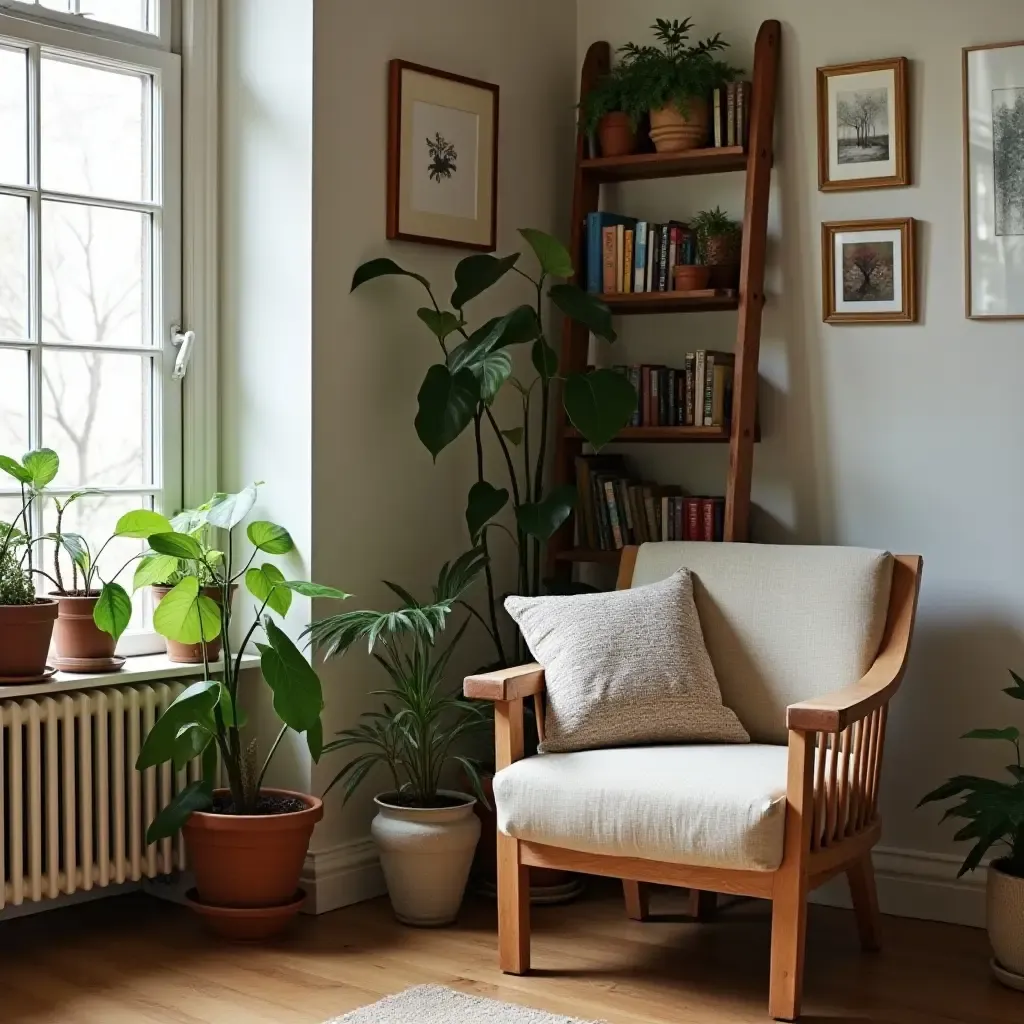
(828, 819)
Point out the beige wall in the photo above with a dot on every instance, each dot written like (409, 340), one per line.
(904, 437)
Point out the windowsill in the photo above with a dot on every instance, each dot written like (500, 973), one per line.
(141, 669)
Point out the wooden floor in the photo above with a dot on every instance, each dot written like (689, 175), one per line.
(134, 960)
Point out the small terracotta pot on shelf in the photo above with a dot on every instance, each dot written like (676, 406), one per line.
(691, 277)
(192, 654)
(76, 635)
(673, 131)
(722, 255)
(25, 633)
(616, 135)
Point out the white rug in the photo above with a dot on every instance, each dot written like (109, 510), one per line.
(432, 1004)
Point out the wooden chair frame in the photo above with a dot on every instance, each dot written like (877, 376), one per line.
(832, 817)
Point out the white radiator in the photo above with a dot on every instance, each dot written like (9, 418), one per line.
(73, 809)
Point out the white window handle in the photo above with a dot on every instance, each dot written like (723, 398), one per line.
(183, 342)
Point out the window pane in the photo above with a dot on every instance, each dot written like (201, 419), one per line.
(13, 407)
(13, 268)
(97, 415)
(95, 275)
(96, 130)
(129, 13)
(13, 116)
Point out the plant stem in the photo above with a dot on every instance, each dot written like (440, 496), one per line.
(229, 674)
(269, 758)
(513, 480)
(488, 573)
(56, 549)
(24, 519)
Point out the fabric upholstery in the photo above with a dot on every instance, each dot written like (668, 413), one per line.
(625, 667)
(704, 805)
(782, 623)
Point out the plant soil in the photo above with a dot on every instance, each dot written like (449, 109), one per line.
(264, 805)
(436, 803)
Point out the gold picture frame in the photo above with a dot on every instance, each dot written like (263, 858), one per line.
(864, 125)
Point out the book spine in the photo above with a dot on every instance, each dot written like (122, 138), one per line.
(627, 260)
(625, 511)
(608, 263)
(673, 252)
(652, 515)
(601, 513)
(745, 124)
(645, 396)
(620, 243)
(613, 514)
(634, 379)
(698, 388)
(689, 363)
(677, 518)
(680, 398)
(666, 519)
(691, 527)
(707, 515)
(635, 498)
(719, 516)
(741, 114)
(663, 259)
(595, 255)
(670, 402)
(717, 113)
(588, 534)
(639, 256)
(655, 420)
(649, 260)
(730, 98)
(708, 388)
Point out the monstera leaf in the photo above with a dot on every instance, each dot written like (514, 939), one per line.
(447, 402)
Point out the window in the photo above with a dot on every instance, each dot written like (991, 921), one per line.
(90, 270)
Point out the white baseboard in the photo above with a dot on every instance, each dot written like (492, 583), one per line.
(914, 883)
(342, 875)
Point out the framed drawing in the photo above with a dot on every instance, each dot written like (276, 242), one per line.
(863, 125)
(994, 180)
(442, 158)
(869, 272)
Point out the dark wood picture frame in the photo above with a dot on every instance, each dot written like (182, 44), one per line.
(907, 227)
(396, 69)
(900, 132)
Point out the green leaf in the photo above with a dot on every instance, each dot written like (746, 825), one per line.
(475, 274)
(382, 268)
(269, 538)
(582, 307)
(307, 589)
(12, 467)
(485, 502)
(190, 742)
(154, 569)
(298, 698)
(186, 615)
(447, 403)
(230, 712)
(599, 404)
(76, 547)
(1010, 733)
(315, 741)
(263, 583)
(41, 466)
(545, 359)
(513, 328)
(514, 435)
(196, 796)
(232, 508)
(142, 523)
(192, 707)
(541, 519)
(113, 610)
(441, 322)
(177, 545)
(492, 371)
(553, 257)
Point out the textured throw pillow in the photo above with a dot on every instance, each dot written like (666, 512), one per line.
(624, 668)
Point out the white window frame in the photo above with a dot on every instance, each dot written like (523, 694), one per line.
(160, 38)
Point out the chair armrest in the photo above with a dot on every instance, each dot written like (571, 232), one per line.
(506, 684)
(835, 711)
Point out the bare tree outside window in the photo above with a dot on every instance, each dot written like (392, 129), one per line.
(863, 125)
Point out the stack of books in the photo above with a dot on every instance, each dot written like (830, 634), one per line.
(730, 114)
(625, 255)
(698, 394)
(614, 509)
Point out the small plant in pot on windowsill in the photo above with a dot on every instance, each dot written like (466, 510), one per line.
(426, 835)
(993, 812)
(246, 843)
(719, 246)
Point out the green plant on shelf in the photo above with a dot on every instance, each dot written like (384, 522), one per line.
(611, 94)
(709, 225)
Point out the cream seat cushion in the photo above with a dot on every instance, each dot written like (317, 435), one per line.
(708, 805)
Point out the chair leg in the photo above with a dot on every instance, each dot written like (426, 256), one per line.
(789, 937)
(513, 908)
(861, 876)
(702, 905)
(638, 899)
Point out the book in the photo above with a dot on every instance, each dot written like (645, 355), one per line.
(653, 531)
(640, 256)
(711, 359)
(620, 244)
(586, 523)
(649, 272)
(613, 513)
(689, 366)
(692, 526)
(608, 261)
(673, 253)
(730, 99)
(595, 248)
(742, 113)
(655, 420)
(670, 396)
(627, 259)
(663, 267)
(707, 519)
(699, 372)
(634, 379)
(716, 113)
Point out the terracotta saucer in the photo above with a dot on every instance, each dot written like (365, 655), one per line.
(90, 664)
(49, 672)
(245, 924)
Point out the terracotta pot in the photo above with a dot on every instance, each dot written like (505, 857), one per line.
(246, 924)
(76, 635)
(616, 135)
(1005, 919)
(722, 255)
(250, 860)
(682, 131)
(25, 632)
(690, 278)
(192, 654)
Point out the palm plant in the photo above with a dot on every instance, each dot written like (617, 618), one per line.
(420, 719)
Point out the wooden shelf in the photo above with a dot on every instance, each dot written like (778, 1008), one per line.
(707, 300)
(645, 166)
(693, 435)
(588, 555)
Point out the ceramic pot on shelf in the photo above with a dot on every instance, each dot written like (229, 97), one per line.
(616, 135)
(192, 654)
(25, 633)
(1005, 920)
(675, 131)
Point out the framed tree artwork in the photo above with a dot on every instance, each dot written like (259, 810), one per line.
(442, 158)
(863, 125)
(869, 271)
(993, 82)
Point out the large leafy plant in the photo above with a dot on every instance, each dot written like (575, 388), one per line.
(993, 809)
(420, 719)
(167, 570)
(458, 394)
(205, 719)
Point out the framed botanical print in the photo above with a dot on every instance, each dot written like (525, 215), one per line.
(994, 180)
(442, 158)
(863, 125)
(869, 271)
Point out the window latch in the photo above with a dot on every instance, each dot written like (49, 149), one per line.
(183, 341)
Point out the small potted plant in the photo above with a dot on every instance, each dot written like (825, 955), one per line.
(246, 843)
(426, 835)
(609, 113)
(675, 80)
(719, 245)
(993, 812)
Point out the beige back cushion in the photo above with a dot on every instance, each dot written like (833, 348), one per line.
(782, 623)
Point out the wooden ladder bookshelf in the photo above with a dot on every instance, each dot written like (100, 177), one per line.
(748, 300)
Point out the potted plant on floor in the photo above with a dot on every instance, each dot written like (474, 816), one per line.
(246, 842)
(608, 113)
(993, 810)
(675, 80)
(719, 245)
(425, 834)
